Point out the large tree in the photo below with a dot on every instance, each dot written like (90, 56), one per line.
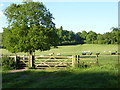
(79, 38)
(91, 37)
(30, 28)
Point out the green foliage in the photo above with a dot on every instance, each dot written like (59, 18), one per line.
(8, 63)
(91, 37)
(66, 37)
(30, 28)
(71, 38)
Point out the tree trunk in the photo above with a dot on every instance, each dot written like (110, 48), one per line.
(30, 52)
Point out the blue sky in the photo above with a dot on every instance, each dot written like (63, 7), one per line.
(78, 16)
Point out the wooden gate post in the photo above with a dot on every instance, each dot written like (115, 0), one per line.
(31, 61)
(74, 61)
(78, 59)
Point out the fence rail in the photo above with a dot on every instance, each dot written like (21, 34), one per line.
(48, 61)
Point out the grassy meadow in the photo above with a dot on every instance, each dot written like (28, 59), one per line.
(72, 49)
(104, 75)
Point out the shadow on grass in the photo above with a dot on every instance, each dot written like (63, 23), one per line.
(60, 79)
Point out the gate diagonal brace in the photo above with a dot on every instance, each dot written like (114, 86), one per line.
(50, 58)
(24, 62)
(59, 64)
(46, 64)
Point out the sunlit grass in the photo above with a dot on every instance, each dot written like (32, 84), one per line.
(73, 49)
(78, 49)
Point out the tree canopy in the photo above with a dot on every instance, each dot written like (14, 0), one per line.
(30, 28)
(91, 37)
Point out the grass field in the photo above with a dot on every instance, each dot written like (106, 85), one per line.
(105, 75)
(73, 49)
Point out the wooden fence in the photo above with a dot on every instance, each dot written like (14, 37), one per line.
(56, 61)
(23, 61)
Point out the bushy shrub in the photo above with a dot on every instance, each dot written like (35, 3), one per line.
(8, 63)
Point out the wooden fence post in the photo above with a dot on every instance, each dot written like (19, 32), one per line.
(31, 61)
(15, 58)
(97, 58)
(74, 61)
(78, 59)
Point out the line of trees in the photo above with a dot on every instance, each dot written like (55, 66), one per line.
(91, 37)
(70, 38)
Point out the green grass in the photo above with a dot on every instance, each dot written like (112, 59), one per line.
(73, 49)
(108, 59)
(105, 76)
(78, 49)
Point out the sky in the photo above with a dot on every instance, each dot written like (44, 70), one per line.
(77, 16)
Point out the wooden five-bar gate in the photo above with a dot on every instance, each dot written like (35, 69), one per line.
(54, 61)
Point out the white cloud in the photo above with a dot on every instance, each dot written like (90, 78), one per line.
(1, 5)
(1, 13)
